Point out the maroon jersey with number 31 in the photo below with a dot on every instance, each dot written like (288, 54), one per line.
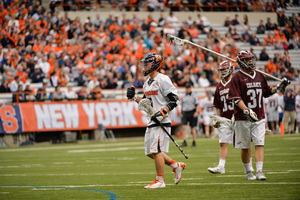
(251, 89)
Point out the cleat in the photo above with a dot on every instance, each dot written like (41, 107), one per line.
(193, 144)
(216, 170)
(183, 144)
(260, 176)
(155, 184)
(250, 176)
(178, 171)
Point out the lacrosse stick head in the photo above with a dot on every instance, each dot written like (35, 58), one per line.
(145, 105)
(176, 40)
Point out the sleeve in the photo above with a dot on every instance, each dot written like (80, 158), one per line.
(196, 100)
(235, 89)
(267, 90)
(168, 87)
(217, 102)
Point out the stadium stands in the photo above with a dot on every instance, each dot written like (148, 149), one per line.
(105, 51)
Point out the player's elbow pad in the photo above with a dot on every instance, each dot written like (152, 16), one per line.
(174, 101)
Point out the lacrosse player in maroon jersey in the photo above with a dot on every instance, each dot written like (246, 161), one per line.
(224, 108)
(163, 96)
(247, 89)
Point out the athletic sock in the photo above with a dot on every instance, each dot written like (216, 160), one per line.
(259, 166)
(173, 164)
(222, 162)
(250, 162)
(247, 167)
(160, 178)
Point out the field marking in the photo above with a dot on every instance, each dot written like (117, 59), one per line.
(141, 183)
(105, 150)
(73, 147)
(112, 195)
(249, 183)
(48, 189)
(62, 163)
(4, 192)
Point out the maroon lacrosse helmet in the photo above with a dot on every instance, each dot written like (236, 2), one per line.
(225, 69)
(246, 60)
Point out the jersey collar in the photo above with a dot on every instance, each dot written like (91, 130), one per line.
(224, 84)
(251, 76)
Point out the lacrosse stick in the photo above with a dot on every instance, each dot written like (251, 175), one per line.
(182, 42)
(145, 105)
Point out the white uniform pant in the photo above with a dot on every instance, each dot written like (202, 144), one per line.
(244, 131)
(156, 140)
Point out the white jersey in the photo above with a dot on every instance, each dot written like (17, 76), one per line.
(157, 91)
(280, 103)
(298, 103)
(207, 106)
(272, 103)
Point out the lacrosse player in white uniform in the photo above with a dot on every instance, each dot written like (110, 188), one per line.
(298, 111)
(224, 108)
(163, 96)
(207, 109)
(272, 111)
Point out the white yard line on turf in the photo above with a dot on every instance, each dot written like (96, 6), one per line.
(73, 147)
(171, 184)
(105, 150)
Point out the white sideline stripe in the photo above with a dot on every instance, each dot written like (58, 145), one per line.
(141, 184)
(229, 176)
(249, 183)
(105, 150)
(278, 172)
(188, 179)
(63, 163)
(73, 147)
(48, 188)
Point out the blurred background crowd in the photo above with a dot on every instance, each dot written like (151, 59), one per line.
(40, 45)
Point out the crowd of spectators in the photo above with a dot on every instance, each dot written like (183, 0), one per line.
(37, 46)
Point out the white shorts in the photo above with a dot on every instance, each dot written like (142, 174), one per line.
(244, 131)
(298, 117)
(156, 140)
(273, 116)
(226, 133)
(207, 120)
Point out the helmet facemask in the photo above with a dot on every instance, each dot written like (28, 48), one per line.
(226, 68)
(151, 62)
(246, 60)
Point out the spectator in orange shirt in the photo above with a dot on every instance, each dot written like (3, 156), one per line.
(271, 66)
(21, 73)
(269, 40)
(193, 31)
(281, 41)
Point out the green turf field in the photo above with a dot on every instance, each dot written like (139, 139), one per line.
(119, 170)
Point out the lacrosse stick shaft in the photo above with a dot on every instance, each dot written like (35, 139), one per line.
(165, 130)
(211, 51)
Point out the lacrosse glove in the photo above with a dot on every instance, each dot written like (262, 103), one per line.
(250, 115)
(215, 123)
(282, 85)
(130, 92)
(160, 115)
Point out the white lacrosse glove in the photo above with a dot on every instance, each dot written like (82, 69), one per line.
(160, 115)
(250, 115)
